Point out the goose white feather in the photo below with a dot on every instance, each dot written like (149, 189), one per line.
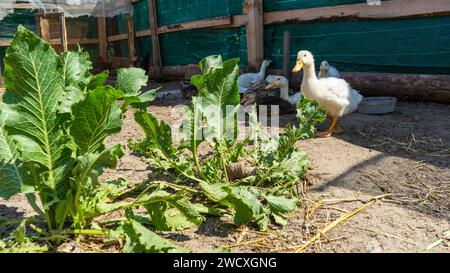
(249, 80)
(335, 95)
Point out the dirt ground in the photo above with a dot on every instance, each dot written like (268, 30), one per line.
(405, 154)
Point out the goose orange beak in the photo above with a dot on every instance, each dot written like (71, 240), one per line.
(298, 67)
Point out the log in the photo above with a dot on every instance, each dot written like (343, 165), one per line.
(416, 87)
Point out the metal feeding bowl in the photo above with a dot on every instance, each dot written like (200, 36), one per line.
(377, 105)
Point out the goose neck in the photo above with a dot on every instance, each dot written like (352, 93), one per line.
(309, 73)
(284, 92)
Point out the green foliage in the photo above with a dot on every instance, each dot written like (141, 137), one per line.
(56, 115)
(268, 193)
(52, 130)
(130, 81)
(139, 239)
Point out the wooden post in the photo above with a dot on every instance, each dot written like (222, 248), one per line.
(63, 33)
(44, 27)
(131, 34)
(253, 12)
(102, 36)
(286, 54)
(156, 53)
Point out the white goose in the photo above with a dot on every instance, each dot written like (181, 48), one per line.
(336, 96)
(326, 71)
(249, 80)
(283, 83)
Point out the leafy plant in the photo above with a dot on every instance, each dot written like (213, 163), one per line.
(268, 192)
(54, 119)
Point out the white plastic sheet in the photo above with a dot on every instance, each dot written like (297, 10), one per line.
(71, 8)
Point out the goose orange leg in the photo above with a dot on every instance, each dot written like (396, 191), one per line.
(334, 128)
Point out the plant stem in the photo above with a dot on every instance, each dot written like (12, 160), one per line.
(96, 232)
(178, 187)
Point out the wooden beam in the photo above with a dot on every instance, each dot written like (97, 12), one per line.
(218, 22)
(118, 37)
(102, 34)
(74, 41)
(215, 22)
(63, 33)
(253, 12)
(286, 53)
(156, 52)
(44, 27)
(387, 10)
(130, 32)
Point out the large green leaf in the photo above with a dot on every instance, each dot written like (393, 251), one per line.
(11, 174)
(131, 80)
(95, 118)
(34, 90)
(220, 88)
(158, 134)
(139, 239)
(76, 65)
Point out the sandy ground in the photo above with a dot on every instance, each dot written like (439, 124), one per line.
(405, 153)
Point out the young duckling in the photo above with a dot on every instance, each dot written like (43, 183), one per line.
(326, 71)
(254, 97)
(336, 96)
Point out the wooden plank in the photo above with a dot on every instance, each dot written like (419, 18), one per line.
(219, 22)
(143, 33)
(44, 26)
(387, 10)
(286, 53)
(130, 32)
(102, 34)
(156, 52)
(236, 21)
(74, 41)
(215, 22)
(63, 33)
(253, 12)
(118, 37)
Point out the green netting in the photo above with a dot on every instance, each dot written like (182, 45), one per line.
(9, 24)
(82, 27)
(274, 5)
(140, 15)
(402, 46)
(179, 11)
(190, 46)
(143, 47)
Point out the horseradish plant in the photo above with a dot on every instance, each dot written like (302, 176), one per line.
(54, 118)
(267, 192)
